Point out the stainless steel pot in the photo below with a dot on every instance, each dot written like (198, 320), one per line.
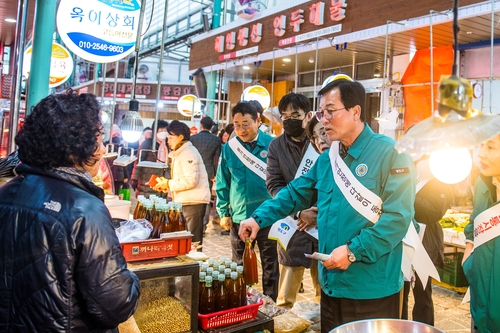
(386, 326)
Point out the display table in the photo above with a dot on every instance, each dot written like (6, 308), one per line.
(455, 237)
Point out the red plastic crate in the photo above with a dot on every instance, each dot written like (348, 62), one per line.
(156, 248)
(228, 317)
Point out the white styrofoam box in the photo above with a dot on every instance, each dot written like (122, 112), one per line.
(119, 208)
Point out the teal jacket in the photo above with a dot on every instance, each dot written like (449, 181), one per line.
(377, 247)
(482, 268)
(239, 190)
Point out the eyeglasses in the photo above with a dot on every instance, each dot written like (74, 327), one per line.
(242, 126)
(320, 114)
(294, 116)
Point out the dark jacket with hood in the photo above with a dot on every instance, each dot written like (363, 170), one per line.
(61, 267)
(283, 160)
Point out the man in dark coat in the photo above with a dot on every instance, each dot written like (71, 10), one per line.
(285, 156)
(208, 146)
(431, 203)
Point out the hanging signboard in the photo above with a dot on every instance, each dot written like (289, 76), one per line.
(188, 103)
(61, 64)
(100, 31)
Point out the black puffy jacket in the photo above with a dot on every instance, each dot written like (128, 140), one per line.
(61, 267)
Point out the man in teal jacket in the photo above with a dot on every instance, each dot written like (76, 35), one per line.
(241, 188)
(482, 267)
(364, 211)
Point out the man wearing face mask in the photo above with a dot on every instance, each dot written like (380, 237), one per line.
(141, 175)
(290, 155)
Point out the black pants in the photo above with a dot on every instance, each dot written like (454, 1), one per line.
(268, 258)
(423, 310)
(338, 311)
(194, 220)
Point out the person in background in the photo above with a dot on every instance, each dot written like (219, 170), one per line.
(229, 132)
(482, 266)
(223, 136)
(140, 174)
(361, 279)
(120, 173)
(62, 266)
(286, 153)
(189, 182)
(209, 147)
(316, 133)
(241, 188)
(432, 200)
(147, 133)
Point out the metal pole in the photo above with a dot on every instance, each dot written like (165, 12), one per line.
(138, 47)
(44, 25)
(96, 73)
(17, 73)
(160, 65)
(296, 69)
(382, 100)
(272, 81)
(432, 63)
(113, 103)
(491, 53)
(315, 73)
(102, 87)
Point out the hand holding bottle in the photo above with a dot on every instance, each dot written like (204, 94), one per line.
(248, 229)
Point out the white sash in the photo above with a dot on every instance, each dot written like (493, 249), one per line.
(283, 230)
(364, 201)
(248, 159)
(307, 162)
(369, 205)
(487, 225)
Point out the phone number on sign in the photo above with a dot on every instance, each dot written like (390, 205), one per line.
(99, 46)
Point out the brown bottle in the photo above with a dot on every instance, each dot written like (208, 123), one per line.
(233, 292)
(138, 207)
(221, 295)
(250, 272)
(156, 223)
(165, 220)
(207, 300)
(182, 220)
(174, 222)
(202, 285)
(243, 287)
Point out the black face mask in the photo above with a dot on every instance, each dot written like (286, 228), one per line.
(293, 127)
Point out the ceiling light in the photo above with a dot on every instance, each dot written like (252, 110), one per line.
(132, 125)
(287, 59)
(469, 32)
(311, 60)
(245, 67)
(10, 20)
(376, 72)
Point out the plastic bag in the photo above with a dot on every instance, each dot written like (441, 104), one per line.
(290, 323)
(309, 311)
(269, 308)
(134, 230)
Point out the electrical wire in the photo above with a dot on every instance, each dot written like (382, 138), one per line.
(150, 18)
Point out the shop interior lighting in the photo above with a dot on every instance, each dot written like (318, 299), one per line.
(453, 126)
(10, 20)
(287, 59)
(132, 125)
(245, 67)
(376, 72)
(311, 60)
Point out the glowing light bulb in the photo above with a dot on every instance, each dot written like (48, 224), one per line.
(451, 166)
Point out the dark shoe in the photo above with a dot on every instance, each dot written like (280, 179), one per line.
(301, 289)
(224, 232)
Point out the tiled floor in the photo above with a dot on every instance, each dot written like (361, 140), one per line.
(450, 315)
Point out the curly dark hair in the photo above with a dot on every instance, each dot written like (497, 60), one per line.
(61, 131)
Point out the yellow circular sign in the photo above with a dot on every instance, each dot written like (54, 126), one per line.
(257, 93)
(61, 64)
(188, 103)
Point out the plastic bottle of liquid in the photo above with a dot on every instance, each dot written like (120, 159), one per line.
(207, 300)
(243, 286)
(221, 295)
(250, 272)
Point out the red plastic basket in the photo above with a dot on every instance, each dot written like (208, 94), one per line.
(228, 317)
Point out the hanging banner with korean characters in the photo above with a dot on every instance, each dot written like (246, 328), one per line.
(61, 64)
(100, 31)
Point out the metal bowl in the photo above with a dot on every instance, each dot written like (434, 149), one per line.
(386, 326)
